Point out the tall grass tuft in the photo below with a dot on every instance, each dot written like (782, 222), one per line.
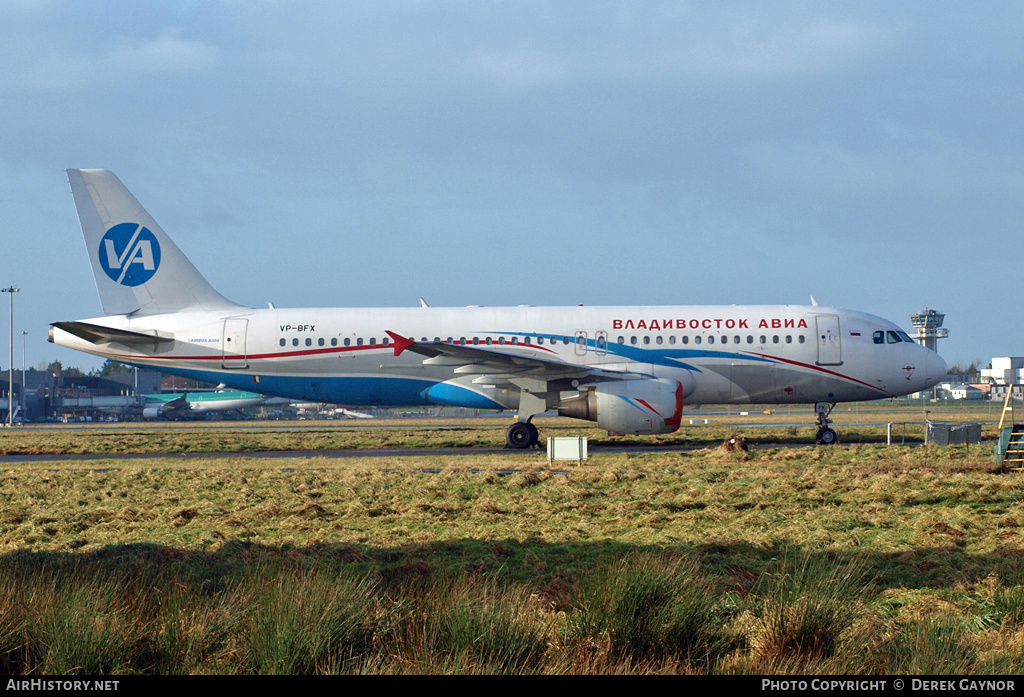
(1008, 603)
(805, 606)
(650, 607)
(302, 622)
(14, 647)
(188, 629)
(83, 623)
(471, 625)
(928, 646)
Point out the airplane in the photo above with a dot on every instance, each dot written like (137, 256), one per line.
(629, 369)
(351, 414)
(330, 410)
(192, 404)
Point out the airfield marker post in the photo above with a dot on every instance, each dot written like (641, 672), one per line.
(22, 396)
(10, 372)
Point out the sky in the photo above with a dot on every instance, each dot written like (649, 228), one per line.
(364, 154)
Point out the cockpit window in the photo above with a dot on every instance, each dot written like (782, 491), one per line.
(891, 337)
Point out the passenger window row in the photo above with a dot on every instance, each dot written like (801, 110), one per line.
(514, 341)
(725, 339)
(879, 337)
(308, 341)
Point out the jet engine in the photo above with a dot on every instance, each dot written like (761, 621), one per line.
(151, 412)
(649, 405)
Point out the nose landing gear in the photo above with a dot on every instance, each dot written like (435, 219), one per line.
(825, 436)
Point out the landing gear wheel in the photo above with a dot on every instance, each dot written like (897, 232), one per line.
(826, 436)
(521, 435)
(534, 435)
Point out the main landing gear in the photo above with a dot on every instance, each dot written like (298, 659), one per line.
(825, 436)
(521, 435)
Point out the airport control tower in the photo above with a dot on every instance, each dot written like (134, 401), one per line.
(929, 327)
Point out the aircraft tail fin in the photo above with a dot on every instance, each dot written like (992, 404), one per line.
(138, 269)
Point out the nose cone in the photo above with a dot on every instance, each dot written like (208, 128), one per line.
(935, 368)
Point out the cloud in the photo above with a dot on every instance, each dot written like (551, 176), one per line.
(115, 63)
(789, 131)
(166, 53)
(654, 42)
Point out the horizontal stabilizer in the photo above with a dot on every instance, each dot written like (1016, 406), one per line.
(96, 334)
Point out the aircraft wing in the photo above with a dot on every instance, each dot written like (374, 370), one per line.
(179, 405)
(493, 366)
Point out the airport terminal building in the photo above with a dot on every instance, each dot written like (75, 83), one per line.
(40, 395)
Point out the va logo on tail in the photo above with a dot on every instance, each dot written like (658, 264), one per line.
(130, 254)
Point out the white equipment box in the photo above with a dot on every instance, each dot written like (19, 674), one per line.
(567, 449)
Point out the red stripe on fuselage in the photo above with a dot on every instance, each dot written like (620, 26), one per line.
(296, 354)
(818, 368)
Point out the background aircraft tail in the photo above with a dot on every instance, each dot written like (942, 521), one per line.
(138, 269)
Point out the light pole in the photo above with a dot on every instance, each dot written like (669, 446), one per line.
(22, 400)
(10, 373)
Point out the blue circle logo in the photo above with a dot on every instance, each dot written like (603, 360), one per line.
(130, 254)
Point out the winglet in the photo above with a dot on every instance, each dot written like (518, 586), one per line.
(401, 343)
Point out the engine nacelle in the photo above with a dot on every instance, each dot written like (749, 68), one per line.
(629, 406)
(151, 412)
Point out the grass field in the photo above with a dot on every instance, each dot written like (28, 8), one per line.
(860, 559)
(783, 425)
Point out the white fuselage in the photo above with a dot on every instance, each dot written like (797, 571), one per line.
(720, 354)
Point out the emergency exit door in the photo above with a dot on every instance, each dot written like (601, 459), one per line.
(234, 354)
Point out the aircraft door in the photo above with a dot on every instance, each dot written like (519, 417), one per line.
(234, 355)
(829, 341)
